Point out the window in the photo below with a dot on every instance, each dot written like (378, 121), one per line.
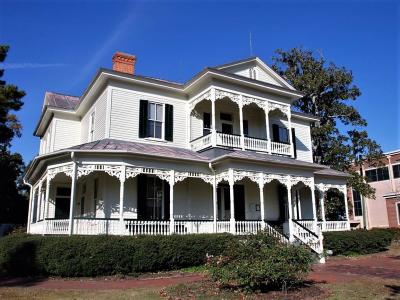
(91, 127)
(226, 117)
(155, 120)
(396, 171)
(245, 127)
(378, 174)
(154, 198)
(283, 135)
(357, 203)
(62, 204)
(398, 212)
(206, 123)
(253, 73)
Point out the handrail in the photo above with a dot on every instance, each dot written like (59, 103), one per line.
(256, 138)
(229, 133)
(306, 229)
(200, 137)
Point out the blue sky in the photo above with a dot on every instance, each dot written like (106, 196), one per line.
(59, 45)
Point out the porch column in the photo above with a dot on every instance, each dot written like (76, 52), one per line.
(72, 197)
(322, 205)
(314, 208)
(241, 121)
(215, 204)
(261, 187)
(232, 204)
(46, 203)
(346, 206)
(266, 111)
(39, 202)
(28, 224)
(213, 128)
(290, 212)
(171, 201)
(121, 198)
(290, 134)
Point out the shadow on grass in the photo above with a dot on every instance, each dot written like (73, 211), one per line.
(394, 291)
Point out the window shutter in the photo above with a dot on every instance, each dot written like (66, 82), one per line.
(142, 192)
(166, 201)
(294, 142)
(143, 116)
(275, 133)
(169, 122)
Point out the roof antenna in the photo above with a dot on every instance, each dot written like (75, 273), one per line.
(251, 44)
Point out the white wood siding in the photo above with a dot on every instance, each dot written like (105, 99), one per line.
(303, 136)
(124, 120)
(66, 133)
(100, 109)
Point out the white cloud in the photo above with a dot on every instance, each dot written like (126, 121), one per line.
(8, 66)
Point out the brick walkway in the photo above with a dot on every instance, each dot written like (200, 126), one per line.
(335, 270)
(341, 270)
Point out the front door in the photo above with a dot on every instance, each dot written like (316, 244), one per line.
(240, 207)
(224, 202)
(63, 199)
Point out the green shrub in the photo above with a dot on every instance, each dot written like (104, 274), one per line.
(105, 255)
(260, 263)
(359, 241)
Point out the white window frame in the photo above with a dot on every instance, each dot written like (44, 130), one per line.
(398, 212)
(162, 121)
(92, 125)
(376, 169)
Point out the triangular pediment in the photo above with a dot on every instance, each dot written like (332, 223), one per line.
(255, 68)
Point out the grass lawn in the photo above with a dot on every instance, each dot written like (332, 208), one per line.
(36, 294)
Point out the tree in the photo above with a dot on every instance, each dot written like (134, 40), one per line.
(329, 93)
(13, 202)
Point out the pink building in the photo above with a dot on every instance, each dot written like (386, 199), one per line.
(384, 210)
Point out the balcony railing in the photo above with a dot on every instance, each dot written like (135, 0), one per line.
(234, 141)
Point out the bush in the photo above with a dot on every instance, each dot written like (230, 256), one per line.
(22, 254)
(260, 263)
(359, 241)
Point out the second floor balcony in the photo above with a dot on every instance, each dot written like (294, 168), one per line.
(234, 121)
(235, 141)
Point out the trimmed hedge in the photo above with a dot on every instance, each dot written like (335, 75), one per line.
(23, 254)
(359, 241)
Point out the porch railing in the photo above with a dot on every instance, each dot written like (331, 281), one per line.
(228, 140)
(248, 227)
(202, 142)
(137, 227)
(256, 144)
(223, 226)
(333, 225)
(189, 227)
(235, 141)
(57, 226)
(280, 148)
(86, 226)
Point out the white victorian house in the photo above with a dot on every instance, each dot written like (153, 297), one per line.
(223, 152)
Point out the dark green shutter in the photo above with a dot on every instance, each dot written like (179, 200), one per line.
(275, 133)
(294, 142)
(166, 201)
(142, 192)
(143, 116)
(169, 122)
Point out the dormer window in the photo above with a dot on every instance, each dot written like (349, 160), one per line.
(91, 127)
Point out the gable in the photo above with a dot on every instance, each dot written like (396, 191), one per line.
(255, 68)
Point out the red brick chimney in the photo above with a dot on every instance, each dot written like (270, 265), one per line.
(123, 62)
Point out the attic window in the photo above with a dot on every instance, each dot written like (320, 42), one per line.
(253, 73)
